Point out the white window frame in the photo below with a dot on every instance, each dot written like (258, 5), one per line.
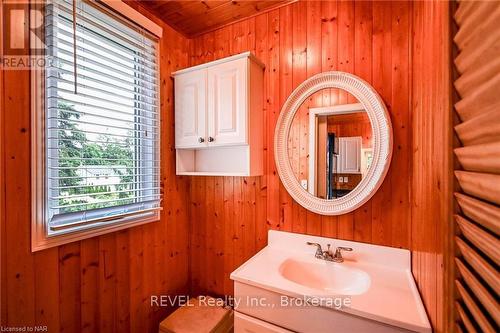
(40, 238)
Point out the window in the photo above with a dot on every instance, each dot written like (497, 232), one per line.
(97, 114)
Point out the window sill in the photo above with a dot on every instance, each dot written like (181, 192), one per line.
(41, 242)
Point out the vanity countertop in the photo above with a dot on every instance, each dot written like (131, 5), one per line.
(391, 296)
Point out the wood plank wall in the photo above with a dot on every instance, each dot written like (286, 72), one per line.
(376, 41)
(295, 42)
(99, 284)
(103, 283)
(477, 107)
(432, 160)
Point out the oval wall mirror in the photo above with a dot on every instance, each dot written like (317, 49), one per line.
(333, 143)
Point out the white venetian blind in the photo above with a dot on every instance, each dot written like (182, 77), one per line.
(102, 120)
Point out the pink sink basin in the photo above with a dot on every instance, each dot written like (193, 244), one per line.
(328, 277)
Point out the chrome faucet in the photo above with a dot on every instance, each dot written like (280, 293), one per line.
(327, 255)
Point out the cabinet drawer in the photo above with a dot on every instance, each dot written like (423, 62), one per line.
(247, 324)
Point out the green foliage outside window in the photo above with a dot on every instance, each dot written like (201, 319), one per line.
(76, 152)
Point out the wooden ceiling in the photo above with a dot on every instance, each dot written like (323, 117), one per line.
(192, 18)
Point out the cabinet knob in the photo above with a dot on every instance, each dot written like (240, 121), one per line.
(210, 139)
(201, 140)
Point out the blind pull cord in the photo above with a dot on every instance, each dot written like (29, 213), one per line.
(74, 46)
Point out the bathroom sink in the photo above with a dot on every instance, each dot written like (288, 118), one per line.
(328, 277)
(372, 290)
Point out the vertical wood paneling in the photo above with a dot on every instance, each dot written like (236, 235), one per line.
(329, 61)
(273, 105)
(363, 26)
(299, 74)
(196, 235)
(381, 73)
(219, 232)
(19, 262)
(136, 262)
(285, 88)
(313, 54)
(262, 52)
(209, 235)
(431, 156)
(249, 200)
(47, 289)
(228, 234)
(238, 222)
(123, 281)
(345, 226)
(89, 284)
(400, 112)
(149, 275)
(106, 283)
(345, 43)
(101, 284)
(19, 266)
(372, 40)
(228, 217)
(69, 287)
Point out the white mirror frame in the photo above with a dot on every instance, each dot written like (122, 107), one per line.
(381, 134)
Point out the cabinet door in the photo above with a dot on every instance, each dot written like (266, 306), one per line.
(349, 160)
(247, 324)
(227, 103)
(191, 110)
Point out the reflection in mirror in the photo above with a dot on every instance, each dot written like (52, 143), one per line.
(330, 144)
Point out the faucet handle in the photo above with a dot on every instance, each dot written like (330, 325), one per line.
(337, 257)
(319, 250)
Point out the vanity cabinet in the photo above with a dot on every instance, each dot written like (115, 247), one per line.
(349, 157)
(219, 117)
(286, 288)
(275, 317)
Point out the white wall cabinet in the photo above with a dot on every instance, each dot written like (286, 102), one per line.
(219, 117)
(349, 158)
